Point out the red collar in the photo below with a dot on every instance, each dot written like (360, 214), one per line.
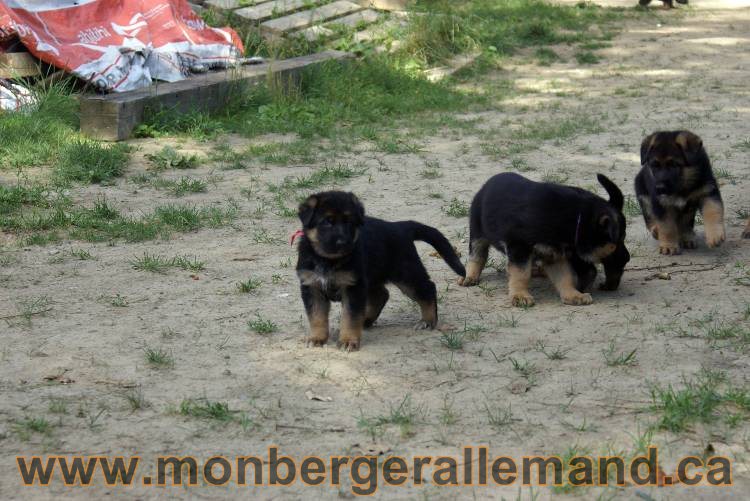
(298, 233)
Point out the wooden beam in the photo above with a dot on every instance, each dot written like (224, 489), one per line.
(112, 117)
(18, 65)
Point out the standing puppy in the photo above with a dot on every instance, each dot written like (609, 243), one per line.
(675, 181)
(565, 229)
(349, 257)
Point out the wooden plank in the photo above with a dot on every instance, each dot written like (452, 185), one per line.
(112, 117)
(366, 16)
(309, 17)
(18, 65)
(384, 4)
(267, 10)
(222, 5)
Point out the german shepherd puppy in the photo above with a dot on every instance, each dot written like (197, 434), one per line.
(349, 257)
(674, 182)
(566, 229)
(667, 3)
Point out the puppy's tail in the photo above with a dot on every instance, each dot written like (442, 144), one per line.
(432, 236)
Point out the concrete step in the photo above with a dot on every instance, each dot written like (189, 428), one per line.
(266, 10)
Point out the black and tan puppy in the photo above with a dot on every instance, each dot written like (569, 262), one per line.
(567, 230)
(675, 182)
(669, 4)
(349, 257)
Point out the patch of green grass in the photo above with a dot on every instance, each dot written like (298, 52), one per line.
(555, 177)
(36, 137)
(262, 325)
(700, 400)
(453, 340)
(188, 263)
(118, 301)
(151, 262)
(28, 425)
(564, 128)
(169, 158)
(205, 409)
(159, 264)
(586, 57)
(159, 357)
(546, 56)
(249, 285)
(614, 358)
(552, 353)
(523, 367)
(456, 208)
(91, 162)
(404, 415)
(37, 212)
(498, 416)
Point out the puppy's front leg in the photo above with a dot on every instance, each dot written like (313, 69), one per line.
(561, 274)
(317, 307)
(668, 234)
(713, 220)
(354, 303)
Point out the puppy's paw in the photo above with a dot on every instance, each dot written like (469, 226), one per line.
(348, 344)
(316, 341)
(688, 242)
(467, 281)
(669, 249)
(577, 298)
(715, 235)
(521, 299)
(423, 325)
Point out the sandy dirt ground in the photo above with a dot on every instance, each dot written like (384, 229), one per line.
(685, 71)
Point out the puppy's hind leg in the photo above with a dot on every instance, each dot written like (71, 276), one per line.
(422, 290)
(479, 249)
(376, 299)
(561, 274)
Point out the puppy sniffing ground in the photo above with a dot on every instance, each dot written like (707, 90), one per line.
(565, 229)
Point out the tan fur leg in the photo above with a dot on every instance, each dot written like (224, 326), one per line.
(429, 315)
(561, 275)
(318, 319)
(713, 221)
(746, 232)
(480, 248)
(351, 330)
(518, 284)
(668, 235)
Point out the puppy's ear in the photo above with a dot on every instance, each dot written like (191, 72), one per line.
(360, 210)
(306, 209)
(646, 145)
(690, 144)
(615, 195)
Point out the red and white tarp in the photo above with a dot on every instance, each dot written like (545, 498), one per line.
(119, 45)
